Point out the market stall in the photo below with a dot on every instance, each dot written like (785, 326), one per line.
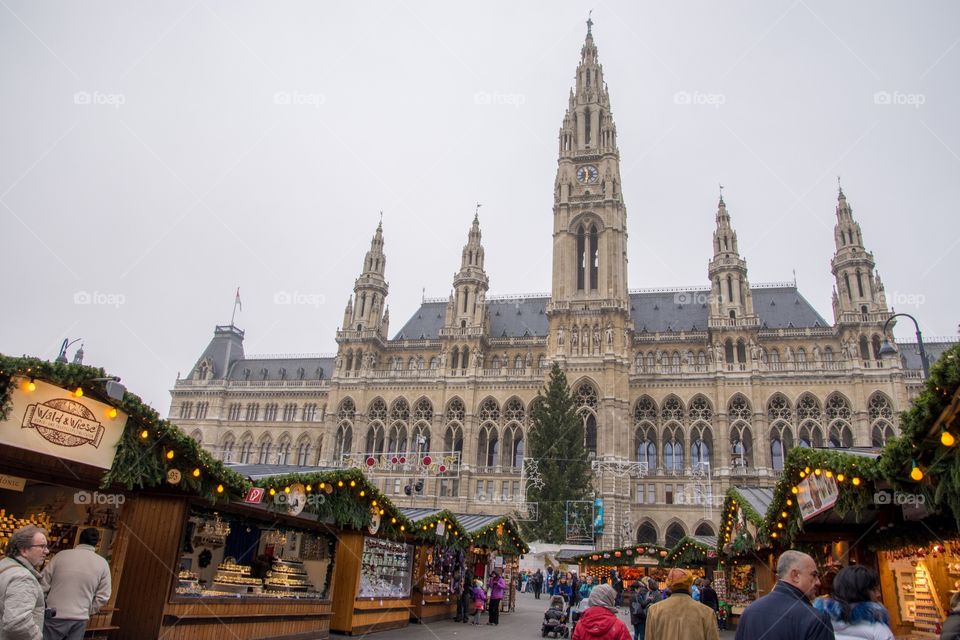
(495, 544)
(746, 564)
(77, 450)
(895, 510)
(631, 563)
(697, 553)
(439, 562)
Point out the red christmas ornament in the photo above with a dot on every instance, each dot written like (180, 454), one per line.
(427, 460)
(371, 461)
(393, 460)
(442, 468)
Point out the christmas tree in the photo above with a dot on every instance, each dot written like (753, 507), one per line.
(556, 443)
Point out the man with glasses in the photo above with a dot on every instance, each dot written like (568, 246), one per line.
(786, 612)
(21, 597)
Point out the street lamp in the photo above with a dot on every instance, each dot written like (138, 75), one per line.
(887, 349)
(62, 356)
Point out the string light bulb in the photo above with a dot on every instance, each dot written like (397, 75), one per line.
(947, 439)
(219, 488)
(856, 481)
(79, 392)
(170, 454)
(916, 472)
(112, 412)
(196, 473)
(144, 434)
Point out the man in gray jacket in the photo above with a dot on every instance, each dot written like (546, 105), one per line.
(77, 584)
(21, 598)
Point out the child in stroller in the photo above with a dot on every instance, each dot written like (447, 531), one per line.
(555, 619)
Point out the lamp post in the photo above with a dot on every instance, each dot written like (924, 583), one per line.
(62, 356)
(888, 349)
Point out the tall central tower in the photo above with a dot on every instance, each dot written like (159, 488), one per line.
(589, 224)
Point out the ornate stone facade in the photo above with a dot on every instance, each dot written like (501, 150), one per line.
(682, 392)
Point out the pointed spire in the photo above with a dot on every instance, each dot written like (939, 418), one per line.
(590, 24)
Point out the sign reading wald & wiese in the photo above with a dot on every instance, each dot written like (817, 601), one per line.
(53, 421)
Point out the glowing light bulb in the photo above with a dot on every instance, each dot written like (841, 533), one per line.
(78, 393)
(947, 439)
(916, 473)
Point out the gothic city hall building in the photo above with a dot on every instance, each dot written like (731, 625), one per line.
(682, 393)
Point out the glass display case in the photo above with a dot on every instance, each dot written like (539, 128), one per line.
(385, 569)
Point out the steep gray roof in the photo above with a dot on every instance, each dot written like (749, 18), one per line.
(224, 349)
(759, 499)
(312, 368)
(910, 352)
(673, 310)
(652, 311)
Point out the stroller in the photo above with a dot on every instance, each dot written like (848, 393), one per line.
(577, 611)
(555, 619)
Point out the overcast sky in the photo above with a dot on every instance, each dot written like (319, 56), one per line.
(155, 156)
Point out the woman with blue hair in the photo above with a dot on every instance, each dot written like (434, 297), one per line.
(854, 606)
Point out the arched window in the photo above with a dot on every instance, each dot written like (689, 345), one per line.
(226, 449)
(488, 447)
(672, 410)
(489, 411)
(880, 433)
(423, 410)
(513, 410)
(647, 533)
(303, 450)
(375, 439)
(675, 532)
(838, 415)
(673, 448)
(741, 351)
(453, 439)
(728, 350)
(590, 434)
(645, 444)
(420, 438)
(875, 343)
(266, 448)
(283, 450)
(397, 441)
(581, 257)
(864, 348)
(741, 445)
(513, 446)
(701, 445)
(587, 401)
(246, 448)
(456, 410)
(705, 529)
(454, 357)
(594, 257)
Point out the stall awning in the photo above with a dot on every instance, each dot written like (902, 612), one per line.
(692, 551)
(257, 471)
(493, 532)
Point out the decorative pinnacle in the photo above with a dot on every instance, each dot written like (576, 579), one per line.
(476, 213)
(839, 188)
(590, 23)
(721, 194)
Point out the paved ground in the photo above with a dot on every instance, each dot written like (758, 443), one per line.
(522, 623)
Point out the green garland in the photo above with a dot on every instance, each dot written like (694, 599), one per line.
(732, 500)
(940, 465)
(510, 543)
(689, 552)
(626, 557)
(142, 454)
(854, 491)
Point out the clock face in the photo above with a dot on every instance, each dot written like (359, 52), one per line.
(587, 173)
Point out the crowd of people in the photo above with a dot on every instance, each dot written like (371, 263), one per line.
(50, 600)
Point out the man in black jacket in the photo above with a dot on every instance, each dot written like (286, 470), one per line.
(786, 613)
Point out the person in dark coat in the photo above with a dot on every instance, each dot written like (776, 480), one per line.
(639, 602)
(951, 626)
(465, 599)
(786, 612)
(617, 583)
(708, 596)
(537, 583)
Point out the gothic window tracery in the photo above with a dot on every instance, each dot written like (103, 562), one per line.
(489, 411)
(377, 410)
(488, 446)
(246, 448)
(456, 410)
(283, 449)
(375, 439)
(347, 410)
(672, 410)
(303, 450)
(400, 410)
(838, 415)
(647, 533)
(423, 410)
(513, 446)
(420, 437)
(675, 533)
(741, 445)
(226, 449)
(739, 409)
(513, 410)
